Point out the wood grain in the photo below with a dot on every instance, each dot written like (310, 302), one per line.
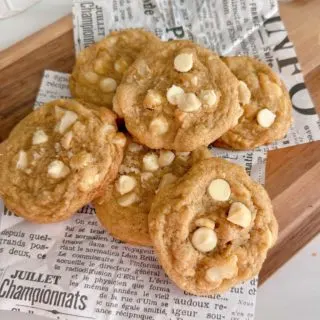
(35, 41)
(22, 67)
(292, 180)
(292, 177)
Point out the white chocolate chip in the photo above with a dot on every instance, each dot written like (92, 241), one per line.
(226, 271)
(205, 222)
(219, 190)
(150, 162)
(166, 158)
(135, 147)
(167, 179)
(22, 162)
(108, 85)
(120, 139)
(81, 160)
(121, 65)
(239, 214)
(204, 239)
(39, 137)
(57, 169)
(189, 102)
(90, 179)
(125, 184)
(174, 94)
(153, 98)
(159, 126)
(244, 93)
(128, 199)
(67, 120)
(66, 140)
(91, 77)
(208, 97)
(265, 118)
(183, 62)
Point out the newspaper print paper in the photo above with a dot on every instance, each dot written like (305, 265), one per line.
(230, 27)
(76, 270)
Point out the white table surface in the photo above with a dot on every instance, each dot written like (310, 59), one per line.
(292, 293)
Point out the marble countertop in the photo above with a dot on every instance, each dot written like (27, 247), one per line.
(293, 292)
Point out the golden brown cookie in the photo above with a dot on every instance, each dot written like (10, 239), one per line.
(178, 96)
(267, 106)
(99, 68)
(58, 159)
(123, 209)
(212, 228)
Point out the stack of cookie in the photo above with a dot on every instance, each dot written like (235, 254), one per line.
(156, 184)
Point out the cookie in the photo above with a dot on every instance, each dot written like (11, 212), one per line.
(178, 96)
(267, 106)
(58, 159)
(99, 68)
(123, 209)
(212, 228)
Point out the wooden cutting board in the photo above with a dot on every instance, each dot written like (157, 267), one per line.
(292, 173)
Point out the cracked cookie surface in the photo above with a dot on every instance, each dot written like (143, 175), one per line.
(212, 228)
(99, 68)
(58, 159)
(266, 103)
(178, 96)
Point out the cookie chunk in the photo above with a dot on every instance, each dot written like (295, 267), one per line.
(123, 209)
(266, 103)
(58, 159)
(100, 67)
(179, 96)
(212, 228)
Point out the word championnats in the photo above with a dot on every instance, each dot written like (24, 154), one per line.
(11, 288)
